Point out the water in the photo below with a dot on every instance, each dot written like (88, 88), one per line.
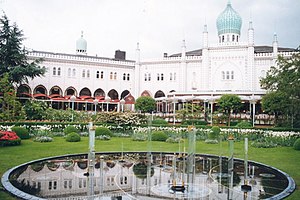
(137, 176)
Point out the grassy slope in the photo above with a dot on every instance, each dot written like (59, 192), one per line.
(284, 158)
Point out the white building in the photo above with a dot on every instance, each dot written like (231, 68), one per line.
(232, 65)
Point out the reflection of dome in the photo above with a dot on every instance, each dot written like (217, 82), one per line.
(81, 45)
(229, 21)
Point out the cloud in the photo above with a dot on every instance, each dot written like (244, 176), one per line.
(158, 25)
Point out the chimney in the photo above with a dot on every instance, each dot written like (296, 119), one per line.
(120, 55)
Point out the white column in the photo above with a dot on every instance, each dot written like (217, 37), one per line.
(211, 111)
(137, 74)
(253, 118)
(183, 66)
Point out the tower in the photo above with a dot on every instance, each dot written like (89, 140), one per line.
(81, 45)
(229, 24)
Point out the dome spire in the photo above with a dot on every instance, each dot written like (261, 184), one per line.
(229, 24)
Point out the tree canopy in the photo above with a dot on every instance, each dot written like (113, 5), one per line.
(13, 56)
(284, 81)
(229, 103)
(145, 104)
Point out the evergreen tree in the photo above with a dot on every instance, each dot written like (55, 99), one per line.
(10, 108)
(13, 56)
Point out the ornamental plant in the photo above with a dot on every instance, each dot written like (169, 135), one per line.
(102, 131)
(159, 136)
(297, 144)
(73, 137)
(21, 132)
(9, 138)
(70, 129)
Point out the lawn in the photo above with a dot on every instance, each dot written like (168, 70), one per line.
(284, 158)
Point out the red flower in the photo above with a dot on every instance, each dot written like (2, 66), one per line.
(8, 135)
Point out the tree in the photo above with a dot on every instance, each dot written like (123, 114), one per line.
(11, 109)
(145, 104)
(284, 79)
(275, 103)
(13, 57)
(35, 110)
(229, 103)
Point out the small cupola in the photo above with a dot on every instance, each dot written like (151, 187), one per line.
(81, 45)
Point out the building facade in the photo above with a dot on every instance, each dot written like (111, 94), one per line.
(233, 65)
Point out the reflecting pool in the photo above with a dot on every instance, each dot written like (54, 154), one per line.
(142, 175)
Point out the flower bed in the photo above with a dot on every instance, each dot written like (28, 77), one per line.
(9, 138)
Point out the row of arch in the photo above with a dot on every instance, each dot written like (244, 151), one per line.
(56, 92)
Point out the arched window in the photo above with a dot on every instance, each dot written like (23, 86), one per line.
(158, 77)
(227, 75)
(88, 73)
(69, 72)
(124, 77)
(237, 38)
(74, 72)
(171, 76)
(111, 76)
(145, 76)
(232, 75)
(54, 71)
(83, 73)
(58, 71)
(174, 76)
(97, 74)
(223, 75)
(162, 77)
(128, 77)
(223, 38)
(115, 76)
(102, 75)
(233, 38)
(149, 77)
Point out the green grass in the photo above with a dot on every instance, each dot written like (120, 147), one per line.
(284, 158)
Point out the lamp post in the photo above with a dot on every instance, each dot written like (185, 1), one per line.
(95, 101)
(72, 98)
(122, 101)
(107, 99)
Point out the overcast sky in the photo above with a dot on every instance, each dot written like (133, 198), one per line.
(158, 25)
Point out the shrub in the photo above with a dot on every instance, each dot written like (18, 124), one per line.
(9, 138)
(73, 137)
(194, 122)
(139, 136)
(174, 140)
(102, 137)
(263, 144)
(159, 121)
(43, 139)
(297, 144)
(210, 141)
(215, 132)
(102, 131)
(70, 129)
(21, 132)
(244, 124)
(159, 136)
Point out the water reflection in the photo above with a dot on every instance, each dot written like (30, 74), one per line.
(137, 175)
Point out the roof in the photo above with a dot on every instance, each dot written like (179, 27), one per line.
(257, 49)
(75, 55)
